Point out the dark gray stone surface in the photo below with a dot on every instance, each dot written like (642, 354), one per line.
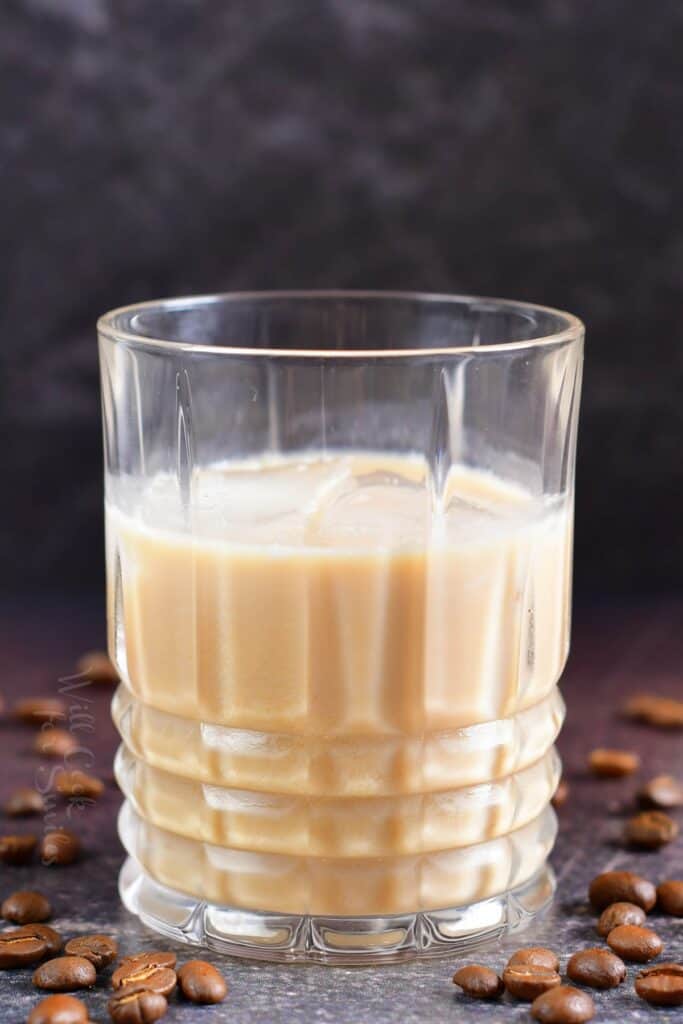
(530, 149)
(616, 652)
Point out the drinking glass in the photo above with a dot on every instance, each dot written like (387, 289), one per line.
(339, 548)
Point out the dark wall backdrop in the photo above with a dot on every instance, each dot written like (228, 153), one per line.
(527, 148)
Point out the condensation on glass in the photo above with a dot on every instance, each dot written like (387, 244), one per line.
(339, 548)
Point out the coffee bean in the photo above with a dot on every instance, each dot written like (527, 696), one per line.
(663, 792)
(79, 784)
(153, 970)
(135, 1004)
(52, 939)
(537, 956)
(64, 974)
(17, 949)
(200, 982)
(60, 848)
(563, 1005)
(26, 907)
(24, 802)
(59, 1010)
(613, 764)
(597, 968)
(17, 849)
(661, 984)
(561, 795)
(55, 742)
(664, 712)
(650, 830)
(619, 913)
(36, 710)
(670, 897)
(100, 950)
(97, 666)
(526, 981)
(621, 887)
(635, 943)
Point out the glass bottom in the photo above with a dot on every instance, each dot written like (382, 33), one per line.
(344, 941)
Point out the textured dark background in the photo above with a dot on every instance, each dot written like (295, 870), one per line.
(531, 149)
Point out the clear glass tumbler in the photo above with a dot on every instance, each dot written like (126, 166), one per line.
(339, 549)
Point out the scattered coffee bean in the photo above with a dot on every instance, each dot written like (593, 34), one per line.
(79, 784)
(526, 981)
(18, 949)
(52, 939)
(26, 907)
(597, 968)
(536, 956)
(135, 1004)
(663, 792)
(664, 712)
(476, 981)
(98, 667)
(60, 848)
(64, 974)
(613, 764)
(59, 1010)
(661, 984)
(24, 802)
(36, 710)
(670, 897)
(153, 970)
(17, 849)
(55, 742)
(200, 982)
(621, 887)
(561, 795)
(100, 950)
(619, 913)
(650, 830)
(634, 943)
(563, 1005)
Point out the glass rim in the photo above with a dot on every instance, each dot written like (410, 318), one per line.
(572, 329)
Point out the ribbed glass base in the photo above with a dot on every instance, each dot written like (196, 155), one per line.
(295, 938)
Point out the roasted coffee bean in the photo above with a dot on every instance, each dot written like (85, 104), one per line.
(650, 830)
(661, 984)
(36, 710)
(563, 1005)
(621, 887)
(24, 802)
(52, 939)
(200, 982)
(64, 974)
(526, 981)
(664, 712)
(97, 666)
(670, 897)
(536, 956)
(59, 1010)
(663, 792)
(153, 970)
(26, 907)
(561, 795)
(60, 848)
(18, 949)
(597, 968)
(17, 849)
(55, 742)
(100, 950)
(619, 913)
(613, 764)
(79, 784)
(634, 943)
(135, 1004)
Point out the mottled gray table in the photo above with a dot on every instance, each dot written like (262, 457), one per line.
(616, 651)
